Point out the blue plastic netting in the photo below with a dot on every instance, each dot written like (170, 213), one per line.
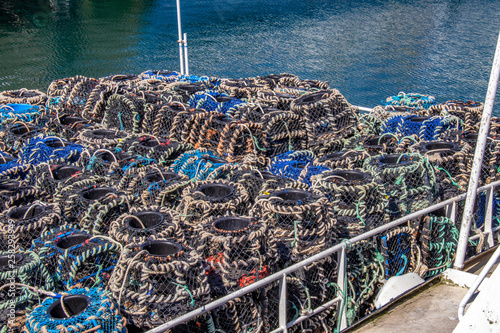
(296, 165)
(45, 149)
(426, 128)
(214, 101)
(197, 164)
(21, 112)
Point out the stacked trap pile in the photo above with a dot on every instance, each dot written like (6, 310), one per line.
(169, 191)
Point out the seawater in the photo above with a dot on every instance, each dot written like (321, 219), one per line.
(368, 50)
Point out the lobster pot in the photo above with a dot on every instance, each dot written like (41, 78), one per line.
(187, 125)
(158, 119)
(301, 221)
(150, 85)
(113, 164)
(414, 100)
(296, 165)
(47, 149)
(186, 90)
(438, 244)
(237, 249)
(65, 126)
(14, 193)
(250, 177)
(280, 101)
(23, 268)
(326, 113)
(88, 196)
(99, 138)
(491, 157)
(272, 80)
(408, 179)
(48, 178)
(204, 199)
(20, 225)
(80, 310)
(283, 131)
(399, 250)
(162, 151)
(197, 164)
(211, 130)
(243, 88)
(241, 314)
(315, 323)
(23, 96)
(75, 258)
(13, 136)
(271, 182)
(101, 205)
(74, 102)
(11, 168)
(294, 81)
(380, 144)
(122, 111)
(470, 112)
(357, 198)
(141, 224)
(425, 128)
(96, 103)
(157, 281)
(344, 159)
(365, 272)
(241, 141)
(296, 302)
(147, 183)
(61, 87)
(449, 160)
(143, 101)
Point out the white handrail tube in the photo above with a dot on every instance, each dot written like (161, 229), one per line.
(179, 28)
(478, 159)
(186, 62)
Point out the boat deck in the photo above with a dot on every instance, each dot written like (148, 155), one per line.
(430, 308)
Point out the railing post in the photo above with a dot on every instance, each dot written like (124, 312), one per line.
(186, 61)
(341, 283)
(488, 218)
(478, 160)
(282, 306)
(451, 211)
(180, 41)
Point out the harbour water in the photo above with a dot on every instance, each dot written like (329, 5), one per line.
(367, 49)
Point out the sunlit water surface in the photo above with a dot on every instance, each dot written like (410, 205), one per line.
(367, 49)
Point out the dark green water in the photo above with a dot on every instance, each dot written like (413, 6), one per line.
(367, 49)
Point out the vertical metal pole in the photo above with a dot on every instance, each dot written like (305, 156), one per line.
(451, 212)
(186, 62)
(179, 28)
(341, 258)
(282, 305)
(488, 217)
(478, 159)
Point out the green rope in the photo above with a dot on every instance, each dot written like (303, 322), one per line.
(451, 178)
(359, 216)
(188, 291)
(295, 230)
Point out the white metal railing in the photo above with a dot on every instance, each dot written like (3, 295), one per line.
(340, 249)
